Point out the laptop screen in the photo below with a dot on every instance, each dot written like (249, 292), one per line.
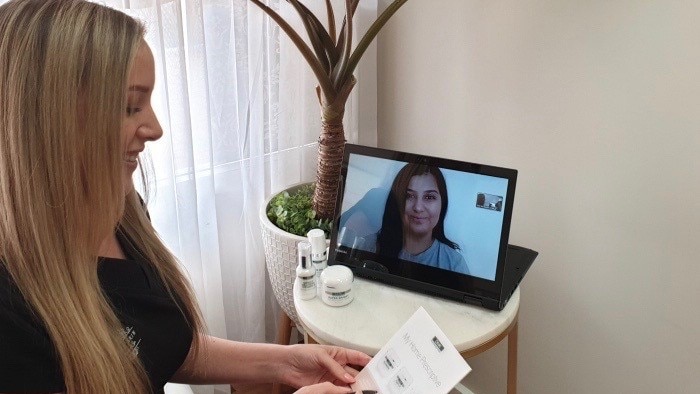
(426, 219)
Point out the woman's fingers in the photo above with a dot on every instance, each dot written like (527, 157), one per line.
(356, 358)
(324, 388)
(352, 371)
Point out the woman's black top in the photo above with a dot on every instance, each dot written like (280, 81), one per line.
(152, 324)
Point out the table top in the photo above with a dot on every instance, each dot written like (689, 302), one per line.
(379, 310)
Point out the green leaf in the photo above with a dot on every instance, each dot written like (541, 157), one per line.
(313, 32)
(294, 212)
(341, 48)
(367, 39)
(315, 64)
(331, 20)
(326, 40)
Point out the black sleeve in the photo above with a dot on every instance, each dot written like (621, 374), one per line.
(28, 360)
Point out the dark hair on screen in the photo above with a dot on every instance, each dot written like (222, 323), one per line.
(390, 237)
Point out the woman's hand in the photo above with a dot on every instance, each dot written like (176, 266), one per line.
(324, 388)
(222, 361)
(312, 364)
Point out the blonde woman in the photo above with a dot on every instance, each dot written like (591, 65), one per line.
(90, 299)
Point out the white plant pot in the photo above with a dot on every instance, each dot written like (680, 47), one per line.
(281, 258)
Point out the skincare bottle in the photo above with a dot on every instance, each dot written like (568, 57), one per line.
(319, 259)
(306, 272)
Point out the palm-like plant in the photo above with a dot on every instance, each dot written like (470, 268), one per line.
(333, 61)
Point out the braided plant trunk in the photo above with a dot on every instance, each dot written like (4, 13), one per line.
(331, 144)
(330, 156)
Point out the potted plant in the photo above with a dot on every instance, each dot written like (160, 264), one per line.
(333, 60)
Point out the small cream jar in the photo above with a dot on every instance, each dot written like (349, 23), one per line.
(336, 285)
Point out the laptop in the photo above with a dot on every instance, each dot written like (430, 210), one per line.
(428, 224)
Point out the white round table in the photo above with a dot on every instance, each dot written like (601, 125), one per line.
(379, 310)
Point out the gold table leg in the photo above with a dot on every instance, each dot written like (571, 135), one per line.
(513, 359)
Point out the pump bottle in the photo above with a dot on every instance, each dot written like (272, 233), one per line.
(306, 273)
(319, 253)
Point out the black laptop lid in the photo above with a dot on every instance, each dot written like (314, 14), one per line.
(424, 223)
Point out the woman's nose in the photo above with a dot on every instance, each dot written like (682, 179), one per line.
(418, 206)
(151, 130)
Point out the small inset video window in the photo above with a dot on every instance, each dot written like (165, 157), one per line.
(489, 201)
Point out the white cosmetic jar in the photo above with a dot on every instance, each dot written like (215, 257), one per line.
(336, 285)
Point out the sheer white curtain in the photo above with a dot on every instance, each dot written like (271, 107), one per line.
(241, 120)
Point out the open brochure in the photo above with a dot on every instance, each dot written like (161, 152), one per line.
(418, 359)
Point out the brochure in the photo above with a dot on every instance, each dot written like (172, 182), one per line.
(418, 359)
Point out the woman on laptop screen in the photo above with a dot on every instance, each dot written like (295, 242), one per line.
(413, 221)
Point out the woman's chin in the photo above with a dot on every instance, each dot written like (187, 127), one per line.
(128, 186)
(421, 232)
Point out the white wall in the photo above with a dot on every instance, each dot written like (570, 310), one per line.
(597, 104)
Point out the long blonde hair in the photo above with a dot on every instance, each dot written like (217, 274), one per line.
(64, 66)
